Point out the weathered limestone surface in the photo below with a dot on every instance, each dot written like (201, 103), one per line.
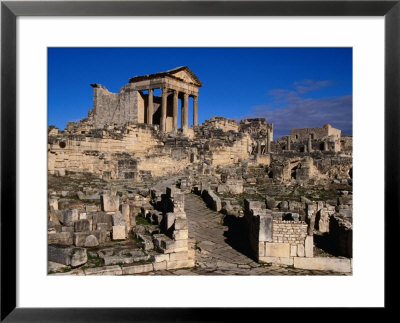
(110, 203)
(67, 255)
(323, 263)
(213, 201)
(118, 232)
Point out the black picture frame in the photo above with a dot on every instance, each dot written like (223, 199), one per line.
(10, 10)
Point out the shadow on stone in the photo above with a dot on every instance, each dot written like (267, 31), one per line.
(324, 242)
(236, 236)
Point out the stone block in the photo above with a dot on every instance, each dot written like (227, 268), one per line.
(70, 216)
(116, 260)
(118, 219)
(136, 269)
(261, 249)
(100, 235)
(191, 254)
(178, 256)
(169, 246)
(221, 189)
(69, 256)
(180, 215)
(212, 200)
(180, 235)
(181, 224)
(103, 271)
(58, 254)
(323, 223)
(80, 238)
(342, 265)
(270, 203)
(82, 225)
(102, 226)
(53, 203)
(293, 251)
(160, 265)
(147, 241)
(309, 247)
(103, 218)
(125, 214)
(169, 220)
(300, 250)
(265, 228)
(109, 203)
(91, 208)
(160, 257)
(284, 205)
(179, 202)
(62, 238)
(277, 260)
(180, 264)
(91, 241)
(67, 229)
(235, 187)
(78, 257)
(83, 216)
(281, 250)
(118, 232)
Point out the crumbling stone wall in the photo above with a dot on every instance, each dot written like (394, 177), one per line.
(315, 133)
(292, 232)
(117, 108)
(222, 123)
(173, 242)
(273, 239)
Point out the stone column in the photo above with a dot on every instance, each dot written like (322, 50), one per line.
(185, 110)
(163, 117)
(288, 143)
(182, 113)
(195, 99)
(258, 147)
(268, 148)
(150, 107)
(309, 145)
(175, 116)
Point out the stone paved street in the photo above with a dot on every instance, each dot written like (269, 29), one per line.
(222, 250)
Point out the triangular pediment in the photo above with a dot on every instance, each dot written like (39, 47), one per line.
(185, 74)
(182, 73)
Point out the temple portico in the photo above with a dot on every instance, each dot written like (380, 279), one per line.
(177, 84)
(136, 102)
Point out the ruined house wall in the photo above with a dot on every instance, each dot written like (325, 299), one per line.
(226, 155)
(273, 240)
(161, 165)
(87, 153)
(223, 124)
(290, 232)
(303, 134)
(116, 108)
(316, 133)
(257, 128)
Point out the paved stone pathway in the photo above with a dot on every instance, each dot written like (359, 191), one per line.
(222, 249)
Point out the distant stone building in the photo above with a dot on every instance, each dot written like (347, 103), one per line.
(315, 133)
(136, 102)
(326, 138)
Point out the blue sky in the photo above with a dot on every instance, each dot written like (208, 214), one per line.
(290, 87)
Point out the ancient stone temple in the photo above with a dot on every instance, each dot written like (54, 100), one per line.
(137, 103)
